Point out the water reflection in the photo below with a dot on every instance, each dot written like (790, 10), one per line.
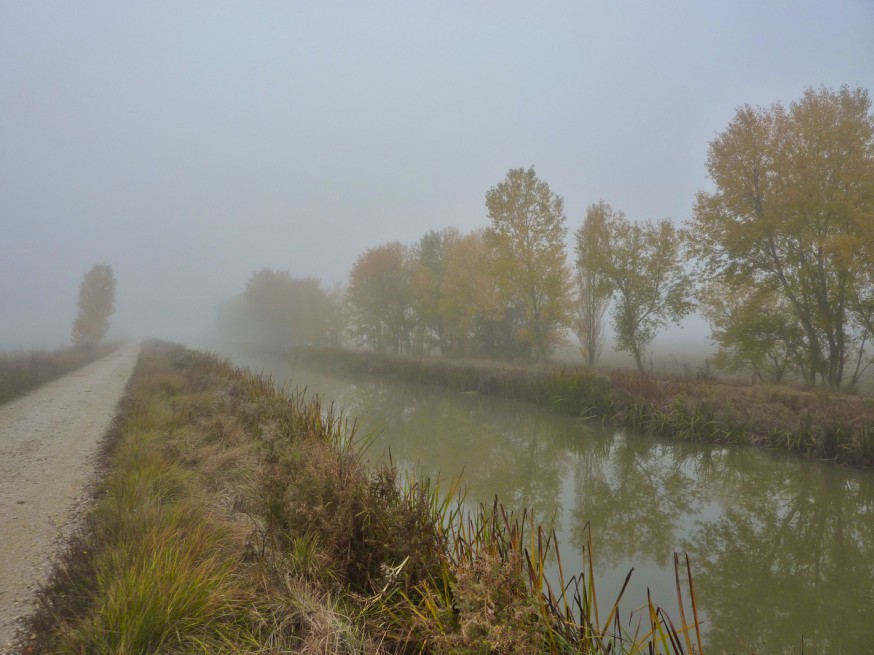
(781, 549)
(790, 555)
(635, 495)
(515, 454)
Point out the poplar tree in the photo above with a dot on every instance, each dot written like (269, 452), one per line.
(593, 287)
(96, 304)
(526, 240)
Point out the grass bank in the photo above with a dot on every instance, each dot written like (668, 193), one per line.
(837, 428)
(233, 517)
(21, 372)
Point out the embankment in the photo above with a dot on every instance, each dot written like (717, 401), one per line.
(234, 518)
(831, 427)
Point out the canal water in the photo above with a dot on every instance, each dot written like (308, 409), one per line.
(782, 549)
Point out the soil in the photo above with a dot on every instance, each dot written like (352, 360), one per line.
(49, 442)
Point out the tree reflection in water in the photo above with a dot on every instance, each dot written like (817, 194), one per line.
(515, 454)
(781, 549)
(791, 554)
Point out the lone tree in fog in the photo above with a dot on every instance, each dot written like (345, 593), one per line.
(96, 304)
(526, 242)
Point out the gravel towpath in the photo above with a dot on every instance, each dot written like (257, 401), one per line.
(48, 446)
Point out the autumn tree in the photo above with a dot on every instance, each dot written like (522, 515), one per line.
(526, 240)
(793, 210)
(96, 305)
(428, 281)
(592, 287)
(644, 266)
(284, 310)
(755, 330)
(378, 298)
(469, 302)
(269, 305)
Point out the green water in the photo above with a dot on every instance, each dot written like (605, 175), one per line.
(782, 550)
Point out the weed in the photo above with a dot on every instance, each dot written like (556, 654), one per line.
(236, 517)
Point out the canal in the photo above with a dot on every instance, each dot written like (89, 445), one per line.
(782, 549)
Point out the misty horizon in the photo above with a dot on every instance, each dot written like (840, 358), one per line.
(189, 146)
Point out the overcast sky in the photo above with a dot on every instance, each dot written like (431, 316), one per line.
(188, 144)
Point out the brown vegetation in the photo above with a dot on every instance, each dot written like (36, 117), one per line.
(839, 428)
(235, 518)
(21, 372)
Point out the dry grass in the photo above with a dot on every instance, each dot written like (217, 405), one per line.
(838, 428)
(21, 372)
(235, 518)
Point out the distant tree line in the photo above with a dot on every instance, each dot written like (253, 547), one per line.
(280, 310)
(779, 258)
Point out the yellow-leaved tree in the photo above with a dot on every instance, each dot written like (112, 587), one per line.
(793, 211)
(378, 299)
(96, 304)
(592, 286)
(644, 267)
(526, 242)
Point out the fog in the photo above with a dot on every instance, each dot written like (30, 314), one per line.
(190, 144)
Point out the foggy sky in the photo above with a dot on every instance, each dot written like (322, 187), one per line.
(188, 144)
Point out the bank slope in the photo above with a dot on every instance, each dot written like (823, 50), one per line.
(234, 518)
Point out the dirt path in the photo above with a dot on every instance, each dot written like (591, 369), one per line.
(48, 443)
